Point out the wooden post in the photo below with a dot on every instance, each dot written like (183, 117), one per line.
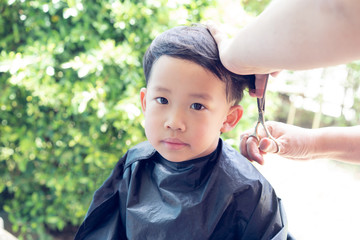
(291, 114)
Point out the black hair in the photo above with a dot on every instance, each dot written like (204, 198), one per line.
(196, 44)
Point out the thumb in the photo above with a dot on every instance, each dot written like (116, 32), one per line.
(268, 145)
(260, 84)
(216, 31)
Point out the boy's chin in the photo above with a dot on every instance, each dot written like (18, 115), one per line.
(172, 158)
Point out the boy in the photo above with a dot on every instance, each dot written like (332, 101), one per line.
(185, 182)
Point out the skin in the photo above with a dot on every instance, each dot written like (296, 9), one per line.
(296, 35)
(337, 143)
(293, 35)
(186, 109)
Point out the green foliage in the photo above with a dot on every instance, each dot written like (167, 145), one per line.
(70, 75)
(255, 7)
(353, 84)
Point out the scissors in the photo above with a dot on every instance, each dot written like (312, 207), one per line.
(261, 119)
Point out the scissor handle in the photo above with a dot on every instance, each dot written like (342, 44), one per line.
(268, 135)
(261, 118)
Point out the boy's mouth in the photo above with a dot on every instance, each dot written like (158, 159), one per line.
(174, 143)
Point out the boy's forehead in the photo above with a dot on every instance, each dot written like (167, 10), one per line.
(174, 66)
(173, 75)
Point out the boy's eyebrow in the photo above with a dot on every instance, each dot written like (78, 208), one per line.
(162, 89)
(203, 96)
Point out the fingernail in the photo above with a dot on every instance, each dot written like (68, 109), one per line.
(265, 149)
(256, 93)
(252, 92)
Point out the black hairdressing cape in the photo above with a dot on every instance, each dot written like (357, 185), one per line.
(221, 196)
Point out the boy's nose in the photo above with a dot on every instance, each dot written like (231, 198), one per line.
(175, 122)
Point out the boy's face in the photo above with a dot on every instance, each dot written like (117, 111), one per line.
(186, 109)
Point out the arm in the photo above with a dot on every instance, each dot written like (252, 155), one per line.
(337, 143)
(295, 35)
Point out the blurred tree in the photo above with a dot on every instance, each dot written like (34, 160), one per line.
(255, 7)
(70, 75)
(70, 72)
(353, 88)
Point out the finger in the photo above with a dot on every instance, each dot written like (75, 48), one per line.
(253, 150)
(260, 81)
(211, 26)
(268, 145)
(275, 74)
(215, 31)
(243, 148)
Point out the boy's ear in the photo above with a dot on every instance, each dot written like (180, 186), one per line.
(143, 99)
(233, 117)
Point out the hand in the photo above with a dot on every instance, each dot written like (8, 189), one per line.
(294, 142)
(260, 74)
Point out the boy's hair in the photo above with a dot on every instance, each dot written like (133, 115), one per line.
(196, 44)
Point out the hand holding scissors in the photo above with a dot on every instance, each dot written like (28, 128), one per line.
(260, 122)
(261, 119)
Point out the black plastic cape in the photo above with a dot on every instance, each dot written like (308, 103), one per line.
(221, 196)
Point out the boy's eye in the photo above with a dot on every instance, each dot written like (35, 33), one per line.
(162, 100)
(197, 106)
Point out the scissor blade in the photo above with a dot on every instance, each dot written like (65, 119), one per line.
(261, 101)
